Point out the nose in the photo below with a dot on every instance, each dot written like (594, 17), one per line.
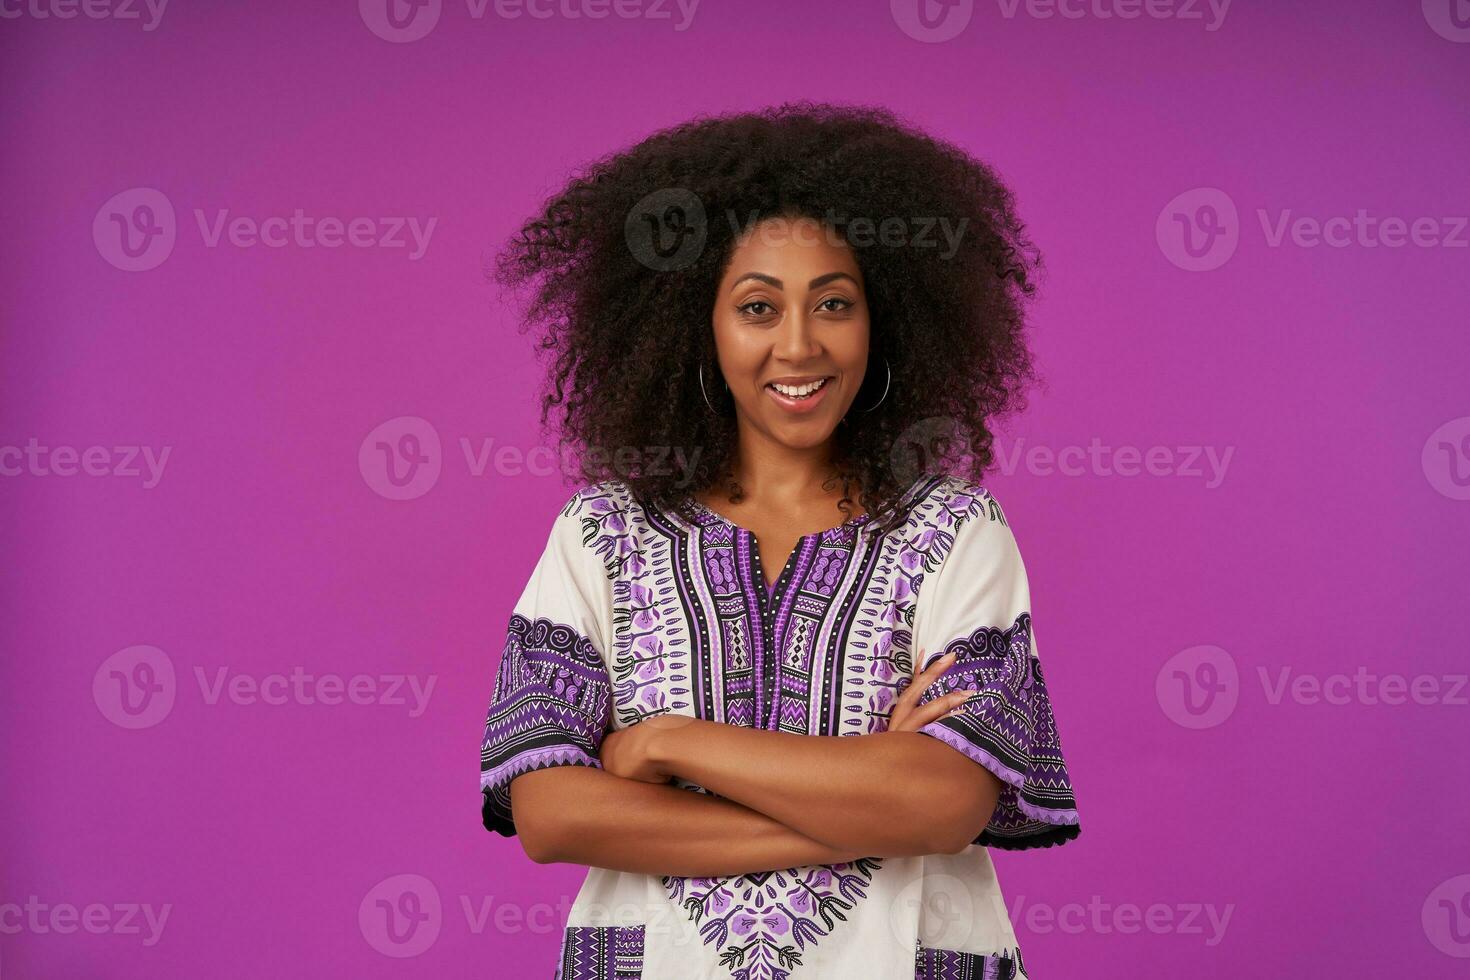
(796, 339)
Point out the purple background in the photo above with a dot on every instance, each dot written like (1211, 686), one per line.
(1332, 834)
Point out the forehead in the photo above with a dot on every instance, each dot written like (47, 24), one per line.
(791, 249)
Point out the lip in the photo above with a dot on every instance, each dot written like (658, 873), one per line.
(804, 405)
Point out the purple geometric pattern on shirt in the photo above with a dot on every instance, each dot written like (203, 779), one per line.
(742, 640)
(819, 568)
(951, 964)
(647, 667)
(550, 707)
(763, 922)
(882, 661)
(768, 635)
(1009, 729)
(601, 953)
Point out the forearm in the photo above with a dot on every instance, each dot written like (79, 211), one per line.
(885, 794)
(581, 815)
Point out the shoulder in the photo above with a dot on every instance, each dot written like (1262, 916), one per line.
(976, 570)
(596, 499)
(603, 519)
(609, 502)
(947, 503)
(957, 523)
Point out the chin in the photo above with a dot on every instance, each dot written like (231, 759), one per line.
(801, 435)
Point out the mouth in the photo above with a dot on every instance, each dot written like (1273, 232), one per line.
(800, 395)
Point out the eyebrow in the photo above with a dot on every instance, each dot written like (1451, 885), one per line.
(773, 281)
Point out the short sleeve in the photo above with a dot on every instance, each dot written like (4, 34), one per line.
(978, 605)
(551, 705)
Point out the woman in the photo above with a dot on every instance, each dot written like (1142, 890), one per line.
(754, 318)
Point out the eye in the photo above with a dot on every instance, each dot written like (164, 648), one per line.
(750, 308)
(843, 304)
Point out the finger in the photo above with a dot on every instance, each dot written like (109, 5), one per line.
(934, 669)
(908, 698)
(963, 705)
(926, 677)
(940, 707)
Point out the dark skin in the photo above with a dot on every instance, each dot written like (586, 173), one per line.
(790, 309)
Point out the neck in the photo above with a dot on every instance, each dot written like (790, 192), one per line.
(769, 471)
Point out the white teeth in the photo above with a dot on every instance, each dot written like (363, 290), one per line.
(798, 391)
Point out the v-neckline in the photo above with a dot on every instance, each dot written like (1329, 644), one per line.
(772, 588)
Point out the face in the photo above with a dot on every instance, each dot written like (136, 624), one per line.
(791, 331)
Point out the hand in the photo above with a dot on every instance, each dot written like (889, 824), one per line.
(908, 716)
(625, 753)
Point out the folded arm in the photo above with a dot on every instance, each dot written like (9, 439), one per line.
(892, 793)
(583, 815)
(886, 794)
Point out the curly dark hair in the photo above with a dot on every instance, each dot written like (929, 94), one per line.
(627, 317)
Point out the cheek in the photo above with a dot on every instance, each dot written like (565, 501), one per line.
(739, 357)
(850, 348)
